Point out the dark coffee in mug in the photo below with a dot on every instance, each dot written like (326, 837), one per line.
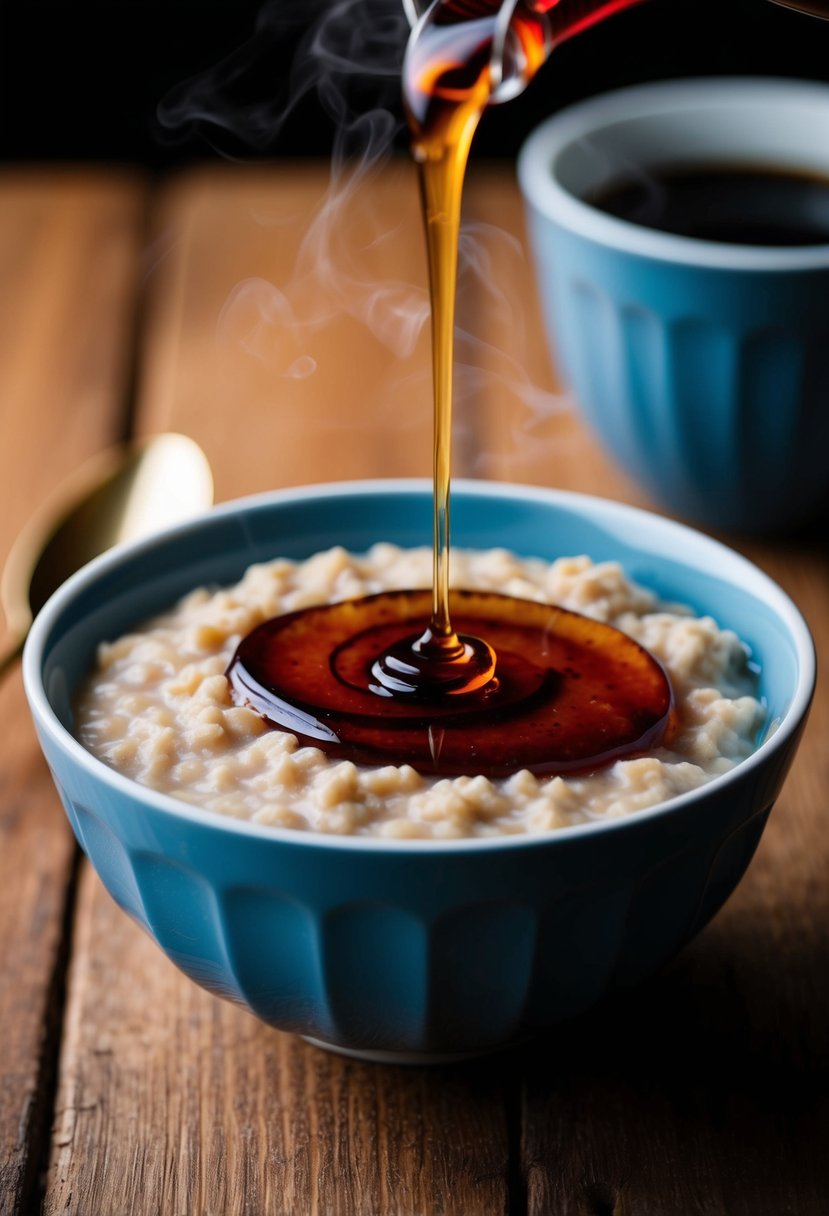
(743, 205)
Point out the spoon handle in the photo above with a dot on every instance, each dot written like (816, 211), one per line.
(11, 649)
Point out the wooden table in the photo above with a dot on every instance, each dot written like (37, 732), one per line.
(288, 339)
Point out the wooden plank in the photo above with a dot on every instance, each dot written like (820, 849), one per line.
(525, 424)
(69, 248)
(288, 335)
(170, 1100)
(264, 278)
(69, 266)
(703, 1091)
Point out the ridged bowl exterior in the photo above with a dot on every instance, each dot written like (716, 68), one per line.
(410, 950)
(701, 367)
(710, 388)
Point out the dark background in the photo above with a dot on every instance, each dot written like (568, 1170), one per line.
(89, 80)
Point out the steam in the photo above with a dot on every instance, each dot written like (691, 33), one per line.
(348, 60)
(348, 64)
(488, 260)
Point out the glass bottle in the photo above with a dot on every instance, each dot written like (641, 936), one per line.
(516, 35)
(817, 8)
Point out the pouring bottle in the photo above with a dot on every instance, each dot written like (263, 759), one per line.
(517, 35)
(817, 8)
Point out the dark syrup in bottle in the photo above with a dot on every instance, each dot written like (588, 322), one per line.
(460, 682)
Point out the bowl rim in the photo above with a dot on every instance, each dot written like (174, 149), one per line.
(576, 501)
(690, 94)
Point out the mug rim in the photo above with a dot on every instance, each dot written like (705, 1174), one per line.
(562, 130)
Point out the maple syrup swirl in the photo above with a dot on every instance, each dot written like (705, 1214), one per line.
(571, 693)
(459, 682)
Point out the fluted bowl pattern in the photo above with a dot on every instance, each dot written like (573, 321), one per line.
(412, 950)
(702, 367)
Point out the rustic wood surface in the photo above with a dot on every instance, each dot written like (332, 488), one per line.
(70, 248)
(286, 335)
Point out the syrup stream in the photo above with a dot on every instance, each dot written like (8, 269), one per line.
(461, 56)
(556, 691)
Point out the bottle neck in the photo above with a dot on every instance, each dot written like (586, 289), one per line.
(519, 33)
(815, 8)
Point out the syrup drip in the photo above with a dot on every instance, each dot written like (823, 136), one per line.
(571, 693)
(454, 63)
(389, 678)
(462, 54)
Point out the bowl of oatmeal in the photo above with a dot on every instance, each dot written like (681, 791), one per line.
(384, 908)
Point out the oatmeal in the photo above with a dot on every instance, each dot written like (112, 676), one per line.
(158, 706)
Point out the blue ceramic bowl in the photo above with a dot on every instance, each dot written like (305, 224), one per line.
(702, 367)
(413, 949)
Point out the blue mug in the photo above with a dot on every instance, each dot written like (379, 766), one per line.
(701, 366)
